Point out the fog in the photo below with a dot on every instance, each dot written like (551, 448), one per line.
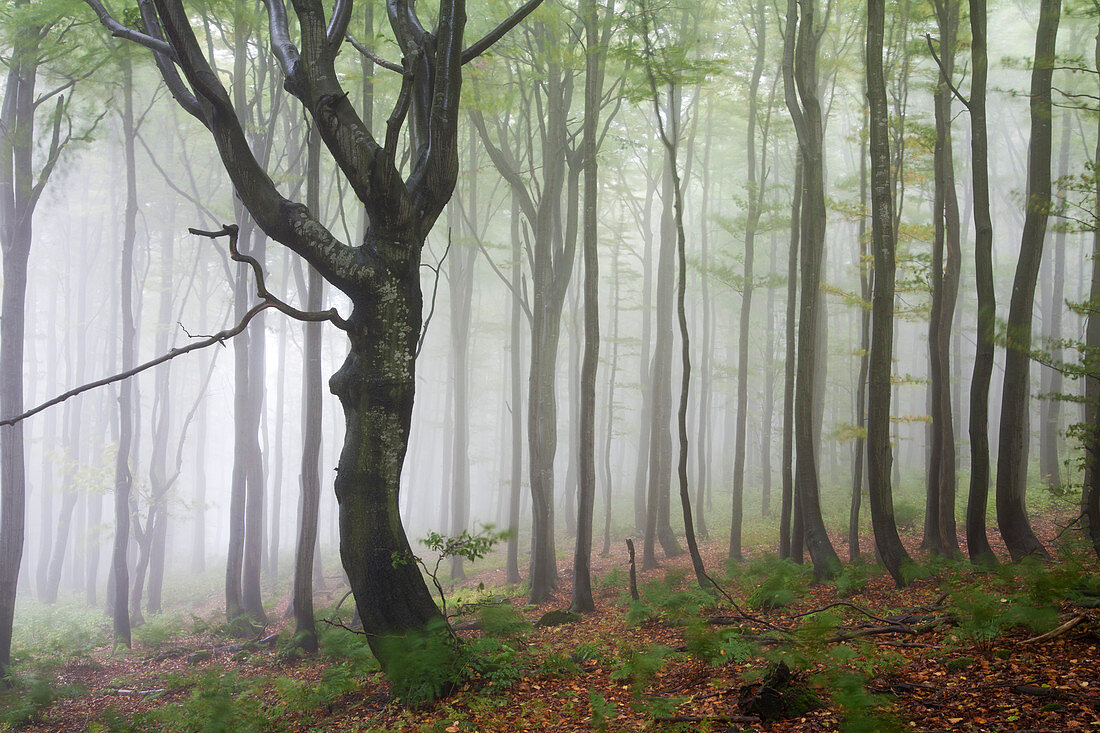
(185, 288)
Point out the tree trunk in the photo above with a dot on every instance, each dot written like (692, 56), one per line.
(859, 460)
(887, 542)
(516, 368)
(977, 543)
(1050, 467)
(753, 185)
(787, 499)
(1013, 442)
(593, 92)
(941, 536)
(806, 110)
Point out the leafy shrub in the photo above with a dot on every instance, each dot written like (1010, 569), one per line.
(603, 710)
(782, 584)
(718, 645)
(640, 667)
(502, 620)
(157, 631)
(424, 665)
(220, 702)
(493, 660)
(558, 665)
(907, 513)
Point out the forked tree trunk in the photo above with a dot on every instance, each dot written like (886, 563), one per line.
(805, 109)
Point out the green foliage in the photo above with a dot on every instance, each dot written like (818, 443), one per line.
(853, 577)
(220, 702)
(157, 630)
(863, 711)
(783, 581)
(30, 694)
(558, 665)
(718, 645)
(471, 545)
(423, 665)
(60, 630)
(907, 513)
(586, 651)
(640, 666)
(603, 710)
(612, 579)
(495, 661)
(502, 620)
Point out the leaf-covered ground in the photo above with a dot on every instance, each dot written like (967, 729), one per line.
(959, 649)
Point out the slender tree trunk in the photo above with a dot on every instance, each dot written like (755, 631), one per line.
(610, 410)
(593, 92)
(516, 360)
(887, 542)
(1014, 436)
(806, 110)
(752, 219)
(941, 536)
(312, 406)
(461, 268)
(866, 294)
(787, 499)
(1090, 499)
(1050, 467)
(977, 543)
(702, 472)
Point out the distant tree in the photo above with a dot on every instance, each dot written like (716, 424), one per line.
(23, 177)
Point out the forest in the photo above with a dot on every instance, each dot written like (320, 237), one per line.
(558, 365)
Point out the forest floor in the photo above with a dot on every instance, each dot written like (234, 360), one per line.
(958, 649)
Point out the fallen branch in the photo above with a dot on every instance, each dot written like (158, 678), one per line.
(729, 719)
(1054, 633)
(124, 691)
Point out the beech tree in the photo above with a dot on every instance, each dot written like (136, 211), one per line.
(380, 275)
(1015, 403)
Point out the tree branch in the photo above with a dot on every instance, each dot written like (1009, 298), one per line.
(118, 30)
(267, 301)
(378, 60)
(939, 64)
(338, 24)
(499, 32)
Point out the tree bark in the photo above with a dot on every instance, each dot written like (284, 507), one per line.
(753, 186)
(887, 542)
(805, 109)
(1013, 441)
(977, 542)
(940, 532)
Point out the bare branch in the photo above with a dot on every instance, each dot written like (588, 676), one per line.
(267, 301)
(499, 32)
(939, 64)
(378, 60)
